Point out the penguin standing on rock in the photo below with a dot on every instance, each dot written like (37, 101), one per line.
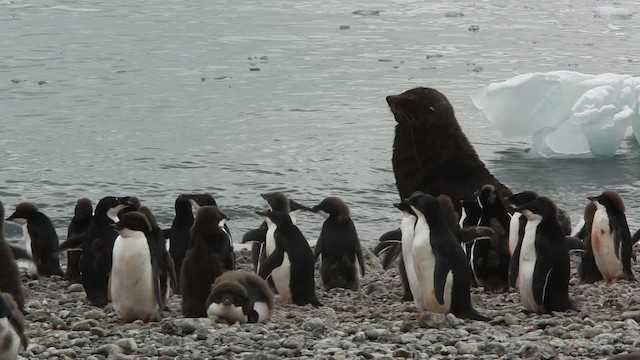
(134, 283)
(543, 266)
(179, 234)
(9, 273)
(79, 225)
(205, 261)
(588, 269)
(442, 269)
(290, 261)
(97, 248)
(12, 327)
(240, 296)
(610, 238)
(342, 263)
(40, 237)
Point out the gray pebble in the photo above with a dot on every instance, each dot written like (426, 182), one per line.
(75, 288)
(312, 324)
(128, 345)
(100, 332)
(108, 349)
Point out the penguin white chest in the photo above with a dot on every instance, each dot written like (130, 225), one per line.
(229, 313)
(32, 269)
(527, 266)
(603, 245)
(282, 279)
(270, 240)
(407, 227)
(514, 231)
(424, 260)
(131, 284)
(9, 340)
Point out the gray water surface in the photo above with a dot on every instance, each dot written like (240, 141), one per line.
(241, 97)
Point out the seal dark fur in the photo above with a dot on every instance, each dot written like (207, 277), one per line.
(431, 153)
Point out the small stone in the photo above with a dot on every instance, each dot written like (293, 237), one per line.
(635, 315)
(100, 332)
(202, 334)
(270, 345)
(432, 320)
(590, 332)
(75, 288)
(495, 348)
(510, 319)
(81, 326)
(57, 323)
(94, 314)
(148, 350)
(312, 324)
(465, 347)
(108, 349)
(80, 342)
(402, 353)
(294, 342)
(453, 320)
(374, 288)
(606, 350)
(128, 345)
(345, 27)
(171, 328)
(189, 326)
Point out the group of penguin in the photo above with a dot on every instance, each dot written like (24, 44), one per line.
(524, 246)
(120, 255)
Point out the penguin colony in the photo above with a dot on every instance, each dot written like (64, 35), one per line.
(119, 254)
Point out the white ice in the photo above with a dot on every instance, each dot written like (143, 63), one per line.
(612, 11)
(566, 114)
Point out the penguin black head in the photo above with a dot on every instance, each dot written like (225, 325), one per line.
(332, 206)
(229, 293)
(522, 198)
(182, 205)
(83, 209)
(542, 207)
(198, 200)
(610, 200)
(449, 213)
(150, 217)
(426, 205)
(488, 195)
(24, 211)
(589, 212)
(404, 207)
(277, 201)
(278, 218)
(111, 205)
(134, 221)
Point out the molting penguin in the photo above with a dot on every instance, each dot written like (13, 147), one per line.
(97, 248)
(41, 239)
(205, 260)
(11, 328)
(240, 296)
(441, 266)
(610, 238)
(179, 234)
(342, 263)
(587, 269)
(490, 258)
(543, 267)
(79, 224)
(290, 262)
(9, 273)
(134, 284)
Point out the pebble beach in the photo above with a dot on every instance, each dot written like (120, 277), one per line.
(372, 323)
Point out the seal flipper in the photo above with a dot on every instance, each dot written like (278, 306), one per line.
(442, 269)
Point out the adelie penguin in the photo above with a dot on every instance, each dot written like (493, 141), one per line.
(179, 234)
(40, 237)
(240, 296)
(97, 248)
(205, 260)
(610, 238)
(79, 224)
(338, 246)
(10, 281)
(442, 269)
(276, 201)
(12, 328)
(290, 261)
(543, 266)
(135, 284)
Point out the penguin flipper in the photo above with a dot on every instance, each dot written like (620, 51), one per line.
(359, 256)
(271, 262)
(468, 234)
(74, 242)
(258, 234)
(20, 253)
(573, 243)
(317, 251)
(541, 274)
(393, 252)
(635, 237)
(155, 270)
(514, 264)
(173, 277)
(441, 272)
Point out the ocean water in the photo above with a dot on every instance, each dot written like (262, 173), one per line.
(236, 98)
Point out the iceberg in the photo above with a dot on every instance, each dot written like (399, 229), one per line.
(566, 114)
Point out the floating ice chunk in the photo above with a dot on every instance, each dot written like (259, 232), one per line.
(566, 114)
(612, 11)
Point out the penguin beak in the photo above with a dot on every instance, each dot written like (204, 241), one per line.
(264, 214)
(316, 208)
(124, 201)
(592, 198)
(397, 206)
(117, 226)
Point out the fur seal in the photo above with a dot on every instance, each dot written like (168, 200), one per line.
(240, 296)
(205, 260)
(79, 224)
(431, 153)
(9, 273)
(339, 247)
(40, 237)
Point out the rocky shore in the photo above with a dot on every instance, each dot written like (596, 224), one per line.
(372, 323)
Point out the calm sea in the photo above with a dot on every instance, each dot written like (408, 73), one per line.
(236, 98)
